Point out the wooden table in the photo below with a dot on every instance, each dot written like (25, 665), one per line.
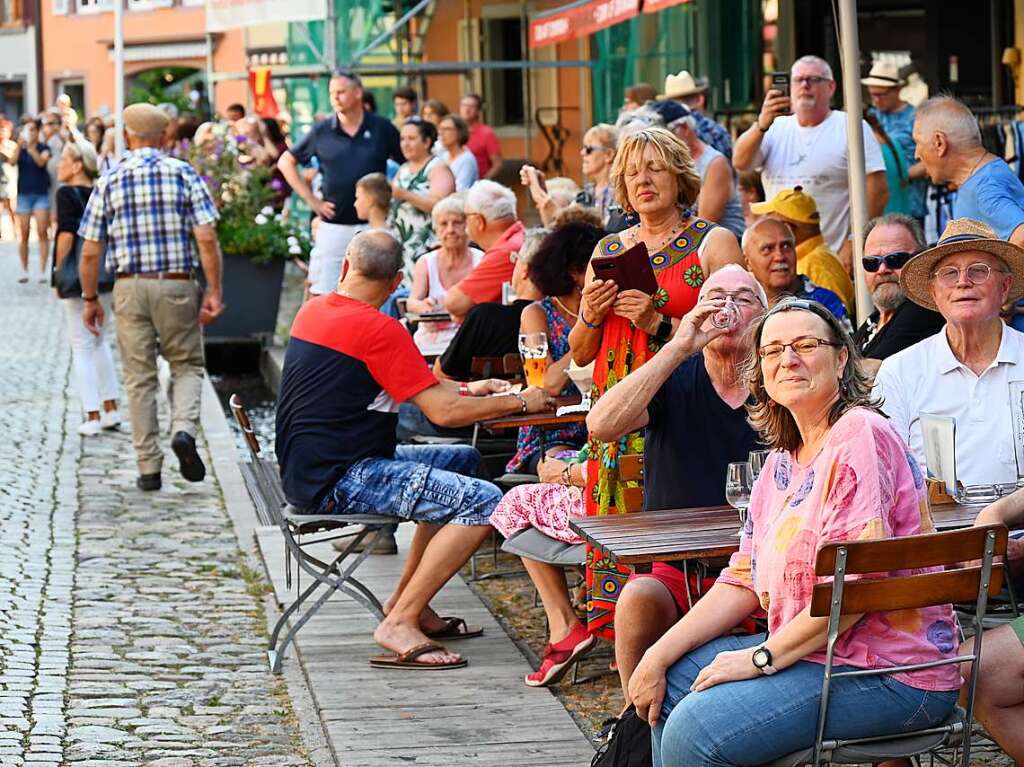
(413, 317)
(707, 532)
(545, 420)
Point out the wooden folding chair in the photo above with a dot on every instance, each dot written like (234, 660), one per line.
(840, 597)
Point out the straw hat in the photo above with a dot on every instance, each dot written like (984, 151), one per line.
(961, 234)
(792, 204)
(681, 85)
(884, 74)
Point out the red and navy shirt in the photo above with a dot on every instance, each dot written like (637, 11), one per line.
(346, 368)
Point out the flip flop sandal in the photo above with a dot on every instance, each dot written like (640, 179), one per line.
(407, 660)
(456, 628)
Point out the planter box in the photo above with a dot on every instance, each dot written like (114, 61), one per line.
(252, 293)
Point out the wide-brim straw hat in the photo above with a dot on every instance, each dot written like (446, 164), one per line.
(884, 74)
(681, 85)
(961, 234)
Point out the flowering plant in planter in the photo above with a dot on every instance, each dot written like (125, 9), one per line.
(242, 190)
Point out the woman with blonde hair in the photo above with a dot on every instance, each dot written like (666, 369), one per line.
(652, 176)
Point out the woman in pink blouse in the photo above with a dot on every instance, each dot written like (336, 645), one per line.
(837, 471)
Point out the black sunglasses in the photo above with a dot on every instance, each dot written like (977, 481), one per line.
(894, 261)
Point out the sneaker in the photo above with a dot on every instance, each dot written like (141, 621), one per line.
(559, 657)
(23, 279)
(190, 464)
(386, 545)
(148, 482)
(110, 419)
(89, 428)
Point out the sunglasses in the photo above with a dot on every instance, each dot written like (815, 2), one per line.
(894, 261)
(590, 149)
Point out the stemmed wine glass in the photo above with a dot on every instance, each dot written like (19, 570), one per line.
(738, 484)
(757, 459)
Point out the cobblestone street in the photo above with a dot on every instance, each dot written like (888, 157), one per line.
(131, 631)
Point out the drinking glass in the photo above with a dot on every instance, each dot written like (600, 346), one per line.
(738, 484)
(533, 347)
(757, 459)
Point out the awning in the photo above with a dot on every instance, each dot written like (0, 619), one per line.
(578, 19)
(584, 17)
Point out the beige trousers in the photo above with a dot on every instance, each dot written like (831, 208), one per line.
(165, 312)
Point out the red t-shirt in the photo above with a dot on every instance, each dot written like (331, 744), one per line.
(484, 145)
(483, 284)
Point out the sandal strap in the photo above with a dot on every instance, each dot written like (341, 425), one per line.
(421, 649)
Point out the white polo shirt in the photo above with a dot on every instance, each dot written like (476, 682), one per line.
(928, 377)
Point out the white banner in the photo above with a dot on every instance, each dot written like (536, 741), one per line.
(228, 14)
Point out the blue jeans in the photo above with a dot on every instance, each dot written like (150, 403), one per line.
(30, 203)
(757, 720)
(439, 484)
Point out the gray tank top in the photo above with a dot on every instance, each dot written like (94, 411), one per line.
(732, 216)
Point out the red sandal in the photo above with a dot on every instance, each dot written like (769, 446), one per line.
(559, 657)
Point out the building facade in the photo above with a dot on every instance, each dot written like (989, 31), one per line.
(18, 62)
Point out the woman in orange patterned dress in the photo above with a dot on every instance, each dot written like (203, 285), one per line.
(653, 176)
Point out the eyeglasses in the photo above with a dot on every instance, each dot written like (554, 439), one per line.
(977, 274)
(811, 80)
(802, 346)
(744, 298)
(894, 261)
(51, 124)
(589, 149)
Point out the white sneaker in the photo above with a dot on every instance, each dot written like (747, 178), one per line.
(89, 428)
(110, 420)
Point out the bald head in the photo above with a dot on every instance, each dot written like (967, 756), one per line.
(763, 228)
(374, 255)
(731, 278)
(947, 115)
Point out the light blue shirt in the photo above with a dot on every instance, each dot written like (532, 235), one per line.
(993, 195)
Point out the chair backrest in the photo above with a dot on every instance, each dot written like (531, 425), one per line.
(242, 417)
(262, 478)
(508, 366)
(631, 469)
(911, 552)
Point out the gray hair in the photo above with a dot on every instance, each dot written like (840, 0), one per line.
(945, 114)
(85, 153)
(758, 289)
(816, 61)
(452, 205)
(644, 117)
(899, 219)
(349, 75)
(532, 239)
(375, 254)
(745, 240)
(491, 200)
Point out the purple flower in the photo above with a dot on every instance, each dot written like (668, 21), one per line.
(276, 185)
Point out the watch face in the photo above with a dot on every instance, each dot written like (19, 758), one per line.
(760, 657)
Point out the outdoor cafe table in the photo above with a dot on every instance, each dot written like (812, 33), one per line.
(708, 532)
(545, 421)
(414, 317)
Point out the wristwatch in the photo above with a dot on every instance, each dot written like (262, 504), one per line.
(762, 659)
(664, 331)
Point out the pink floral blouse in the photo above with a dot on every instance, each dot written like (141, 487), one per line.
(863, 484)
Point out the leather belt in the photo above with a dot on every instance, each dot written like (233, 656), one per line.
(155, 275)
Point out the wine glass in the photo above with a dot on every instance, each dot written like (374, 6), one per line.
(757, 459)
(738, 484)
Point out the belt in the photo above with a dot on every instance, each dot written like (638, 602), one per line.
(155, 275)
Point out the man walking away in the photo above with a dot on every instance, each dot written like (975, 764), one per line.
(145, 214)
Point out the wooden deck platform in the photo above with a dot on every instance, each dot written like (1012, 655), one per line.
(482, 715)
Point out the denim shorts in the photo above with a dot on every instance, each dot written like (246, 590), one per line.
(30, 203)
(758, 720)
(439, 484)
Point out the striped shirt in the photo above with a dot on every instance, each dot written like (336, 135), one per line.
(144, 210)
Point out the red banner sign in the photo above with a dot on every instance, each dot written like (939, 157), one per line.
(653, 6)
(580, 19)
(264, 103)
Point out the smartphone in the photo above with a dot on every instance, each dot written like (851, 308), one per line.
(780, 82)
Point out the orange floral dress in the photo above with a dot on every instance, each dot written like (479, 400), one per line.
(625, 348)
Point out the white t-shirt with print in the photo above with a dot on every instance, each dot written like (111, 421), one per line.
(817, 159)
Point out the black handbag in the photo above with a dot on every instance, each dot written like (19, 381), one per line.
(65, 277)
(628, 743)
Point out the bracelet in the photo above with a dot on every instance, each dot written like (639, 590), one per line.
(522, 400)
(583, 319)
(90, 298)
(463, 389)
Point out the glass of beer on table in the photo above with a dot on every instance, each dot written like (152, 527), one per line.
(533, 347)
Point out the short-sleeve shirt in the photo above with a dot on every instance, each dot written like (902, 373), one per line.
(346, 369)
(863, 484)
(31, 178)
(993, 195)
(909, 324)
(812, 292)
(71, 202)
(816, 158)
(692, 435)
(483, 284)
(899, 127)
(483, 144)
(815, 259)
(344, 159)
(489, 330)
(145, 211)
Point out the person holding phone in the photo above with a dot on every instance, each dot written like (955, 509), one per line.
(31, 156)
(654, 177)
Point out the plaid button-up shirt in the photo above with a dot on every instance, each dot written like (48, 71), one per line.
(144, 210)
